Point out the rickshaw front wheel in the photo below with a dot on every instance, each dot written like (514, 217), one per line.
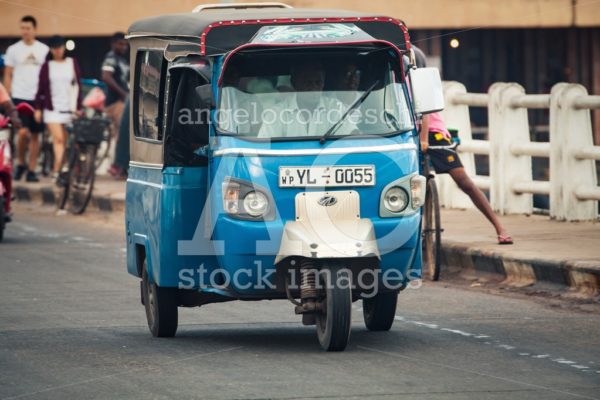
(161, 307)
(334, 322)
(379, 311)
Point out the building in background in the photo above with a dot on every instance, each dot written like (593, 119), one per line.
(536, 43)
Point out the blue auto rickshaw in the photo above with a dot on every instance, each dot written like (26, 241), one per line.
(275, 155)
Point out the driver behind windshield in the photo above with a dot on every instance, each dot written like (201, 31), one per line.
(347, 82)
(306, 111)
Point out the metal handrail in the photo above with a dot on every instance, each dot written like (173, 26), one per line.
(238, 6)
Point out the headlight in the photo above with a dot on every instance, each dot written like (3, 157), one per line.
(418, 188)
(246, 201)
(231, 196)
(395, 199)
(256, 204)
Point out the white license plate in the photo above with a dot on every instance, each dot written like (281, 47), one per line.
(347, 175)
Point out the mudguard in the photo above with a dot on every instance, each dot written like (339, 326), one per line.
(328, 225)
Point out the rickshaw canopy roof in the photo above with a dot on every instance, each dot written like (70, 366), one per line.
(219, 31)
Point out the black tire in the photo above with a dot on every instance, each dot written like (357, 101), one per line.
(161, 307)
(2, 218)
(432, 234)
(333, 325)
(379, 311)
(81, 178)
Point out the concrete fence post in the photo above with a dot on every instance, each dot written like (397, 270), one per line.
(557, 170)
(572, 132)
(456, 116)
(508, 125)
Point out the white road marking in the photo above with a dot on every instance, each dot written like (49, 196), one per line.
(425, 324)
(458, 332)
(563, 361)
(506, 347)
(579, 366)
(497, 343)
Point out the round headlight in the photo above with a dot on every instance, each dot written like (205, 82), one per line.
(396, 199)
(256, 204)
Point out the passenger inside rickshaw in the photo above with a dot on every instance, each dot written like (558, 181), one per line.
(298, 94)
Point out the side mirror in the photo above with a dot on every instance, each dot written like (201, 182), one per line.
(427, 93)
(205, 93)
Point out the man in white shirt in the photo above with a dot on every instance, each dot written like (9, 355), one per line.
(23, 62)
(307, 112)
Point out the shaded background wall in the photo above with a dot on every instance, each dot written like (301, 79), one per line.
(533, 42)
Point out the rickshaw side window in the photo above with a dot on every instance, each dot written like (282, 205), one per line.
(187, 127)
(148, 94)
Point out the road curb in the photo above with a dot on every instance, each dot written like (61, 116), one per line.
(46, 195)
(577, 278)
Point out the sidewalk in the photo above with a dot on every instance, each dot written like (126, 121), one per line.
(108, 195)
(546, 253)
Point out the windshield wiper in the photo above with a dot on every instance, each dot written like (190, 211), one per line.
(352, 107)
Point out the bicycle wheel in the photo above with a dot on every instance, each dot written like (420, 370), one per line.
(81, 177)
(432, 234)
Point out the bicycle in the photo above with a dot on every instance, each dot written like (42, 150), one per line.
(432, 221)
(78, 170)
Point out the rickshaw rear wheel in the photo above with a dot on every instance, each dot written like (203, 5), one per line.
(161, 307)
(334, 322)
(379, 311)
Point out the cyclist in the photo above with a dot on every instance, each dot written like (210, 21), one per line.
(434, 132)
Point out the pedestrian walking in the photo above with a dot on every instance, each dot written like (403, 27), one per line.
(58, 96)
(23, 61)
(115, 73)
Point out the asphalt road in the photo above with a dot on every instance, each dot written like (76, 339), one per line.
(72, 326)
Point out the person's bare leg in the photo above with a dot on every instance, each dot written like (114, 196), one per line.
(34, 150)
(481, 202)
(58, 144)
(22, 139)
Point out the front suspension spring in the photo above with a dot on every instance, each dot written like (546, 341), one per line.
(308, 281)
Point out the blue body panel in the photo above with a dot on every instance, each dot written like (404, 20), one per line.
(163, 207)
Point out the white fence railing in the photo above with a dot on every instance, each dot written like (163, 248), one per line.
(572, 187)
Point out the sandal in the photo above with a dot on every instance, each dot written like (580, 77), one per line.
(505, 239)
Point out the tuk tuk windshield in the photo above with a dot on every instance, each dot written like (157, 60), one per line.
(308, 94)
